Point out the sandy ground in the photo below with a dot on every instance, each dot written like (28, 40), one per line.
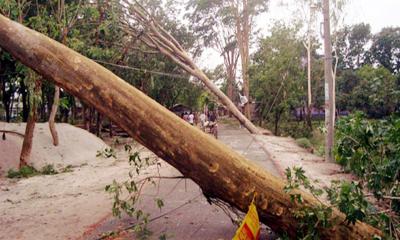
(76, 147)
(73, 205)
(60, 206)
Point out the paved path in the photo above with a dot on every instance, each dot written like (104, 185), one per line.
(248, 145)
(197, 219)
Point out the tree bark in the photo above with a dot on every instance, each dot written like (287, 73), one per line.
(229, 82)
(29, 130)
(53, 115)
(243, 29)
(220, 172)
(308, 48)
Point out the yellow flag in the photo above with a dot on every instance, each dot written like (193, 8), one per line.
(250, 227)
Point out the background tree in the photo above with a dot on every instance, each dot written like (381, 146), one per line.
(244, 12)
(214, 27)
(352, 46)
(376, 94)
(277, 77)
(385, 49)
(34, 88)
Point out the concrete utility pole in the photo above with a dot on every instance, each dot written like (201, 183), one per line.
(329, 91)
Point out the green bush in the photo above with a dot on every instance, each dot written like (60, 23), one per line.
(371, 150)
(304, 143)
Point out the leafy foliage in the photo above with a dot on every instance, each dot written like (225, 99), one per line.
(369, 89)
(127, 194)
(310, 218)
(276, 76)
(386, 49)
(352, 44)
(348, 197)
(93, 30)
(350, 200)
(370, 149)
(106, 153)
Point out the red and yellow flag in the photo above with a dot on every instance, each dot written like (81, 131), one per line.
(250, 227)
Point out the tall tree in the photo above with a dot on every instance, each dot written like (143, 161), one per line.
(276, 75)
(309, 17)
(244, 12)
(66, 17)
(215, 27)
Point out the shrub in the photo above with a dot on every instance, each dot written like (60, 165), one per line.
(48, 170)
(304, 143)
(371, 149)
(24, 172)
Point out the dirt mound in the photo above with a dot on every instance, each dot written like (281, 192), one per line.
(77, 147)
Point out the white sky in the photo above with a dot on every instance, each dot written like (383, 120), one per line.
(378, 13)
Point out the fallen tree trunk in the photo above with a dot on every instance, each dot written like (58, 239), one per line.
(220, 172)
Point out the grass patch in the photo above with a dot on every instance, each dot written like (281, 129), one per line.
(318, 142)
(29, 171)
(23, 172)
(48, 170)
(304, 143)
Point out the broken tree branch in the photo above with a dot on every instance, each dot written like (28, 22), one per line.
(138, 22)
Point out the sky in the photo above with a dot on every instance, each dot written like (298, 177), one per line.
(379, 14)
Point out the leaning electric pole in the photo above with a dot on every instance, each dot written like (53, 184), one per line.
(329, 91)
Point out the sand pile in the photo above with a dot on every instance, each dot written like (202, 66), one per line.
(77, 147)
